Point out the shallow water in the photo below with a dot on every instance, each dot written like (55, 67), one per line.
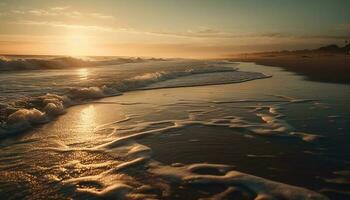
(233, 141)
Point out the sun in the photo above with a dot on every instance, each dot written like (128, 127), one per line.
(78, 45)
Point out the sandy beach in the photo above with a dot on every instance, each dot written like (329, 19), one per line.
(333, 68)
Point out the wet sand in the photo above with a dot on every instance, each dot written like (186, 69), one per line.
(332, 68)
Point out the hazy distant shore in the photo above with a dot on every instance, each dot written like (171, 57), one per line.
(316, 66)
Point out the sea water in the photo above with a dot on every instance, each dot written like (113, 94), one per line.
(281, 137)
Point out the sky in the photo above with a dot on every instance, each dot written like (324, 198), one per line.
(169, 28)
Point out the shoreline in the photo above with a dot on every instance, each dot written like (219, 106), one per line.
(329, 68)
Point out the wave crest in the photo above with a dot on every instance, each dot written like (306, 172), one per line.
(33, 63)
(13, 64)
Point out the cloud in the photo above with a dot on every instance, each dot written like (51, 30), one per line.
(65, 25)
(202, 33)
(18, 12)
(60, 8)
(199, 34)
(102, 16)
(216, 34)
(42, 13)
(47, 12)
(60, 11)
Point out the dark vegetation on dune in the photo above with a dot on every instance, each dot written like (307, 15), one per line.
(326, 64)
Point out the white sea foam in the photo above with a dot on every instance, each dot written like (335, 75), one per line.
(257, 186)
(306, 136)
(202, 79)
(27, 116)
(271, 124)
(91, 92)
(23, 119)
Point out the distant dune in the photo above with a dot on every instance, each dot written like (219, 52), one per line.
(326, 64)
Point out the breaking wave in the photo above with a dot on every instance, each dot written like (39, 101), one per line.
(10, 64)
(33, 63)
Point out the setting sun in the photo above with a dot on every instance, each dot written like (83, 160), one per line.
(78, 43)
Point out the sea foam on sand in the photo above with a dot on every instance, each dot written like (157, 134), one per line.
(257, 188)
(162, 180)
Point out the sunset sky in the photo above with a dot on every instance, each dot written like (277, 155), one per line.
(164, 28)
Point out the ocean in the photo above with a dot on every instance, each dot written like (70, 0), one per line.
(171, 129)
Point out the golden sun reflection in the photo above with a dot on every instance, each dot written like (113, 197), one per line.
(87, 121)
(83, 73)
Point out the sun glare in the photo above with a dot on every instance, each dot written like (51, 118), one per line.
(86, 123)
(78, 45)
(83, 73)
